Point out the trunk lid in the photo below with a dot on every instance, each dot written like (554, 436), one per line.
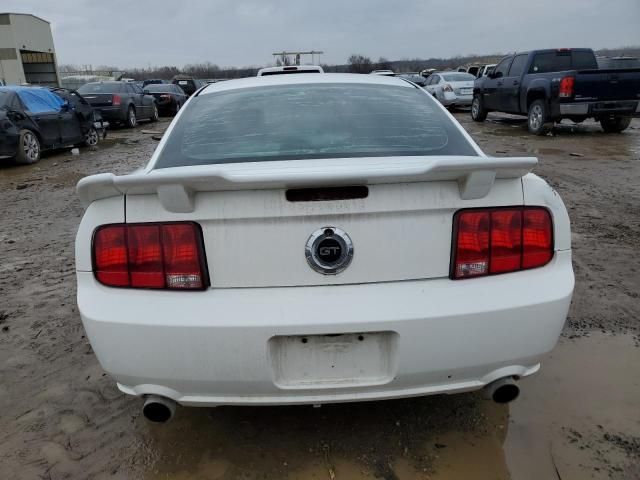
(255, 234)
(99, 99)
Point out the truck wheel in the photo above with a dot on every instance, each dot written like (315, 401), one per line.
(615, 125)
(537, 119)
(478, 112)
(132, 121)
(28, 148)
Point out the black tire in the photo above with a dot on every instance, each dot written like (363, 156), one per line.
(478, 112)
(28, 148)
(615, 124)
(177, 108)
(91, 138)
(131, 120)
(154, 114)
(538, 117)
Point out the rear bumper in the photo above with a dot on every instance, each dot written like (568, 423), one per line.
(596, 109)
(456, 99)
(113, 114)
(216, 347)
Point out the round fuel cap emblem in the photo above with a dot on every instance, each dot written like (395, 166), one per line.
(329, 250)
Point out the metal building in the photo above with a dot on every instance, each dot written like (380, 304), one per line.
(27, 55)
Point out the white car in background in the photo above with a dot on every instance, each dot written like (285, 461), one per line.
(452, 89)
(384, 73)
(485, 70)
(282, 247)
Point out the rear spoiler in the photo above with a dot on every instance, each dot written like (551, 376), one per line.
(176, 187)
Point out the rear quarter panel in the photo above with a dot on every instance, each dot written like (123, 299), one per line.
(538, 192)
(100, 212)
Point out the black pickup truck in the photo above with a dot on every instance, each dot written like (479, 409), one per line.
(549, 85)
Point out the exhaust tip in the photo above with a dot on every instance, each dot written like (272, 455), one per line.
(506, 393)
(503, 390)
(158, 409)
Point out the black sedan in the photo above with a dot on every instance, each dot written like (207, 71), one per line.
(169, 97)
(120, 102)
(33, 119)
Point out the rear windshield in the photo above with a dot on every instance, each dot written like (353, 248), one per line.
(563, 60)
(101, 88)
(307, 121)
(159, 87)
(457, 77)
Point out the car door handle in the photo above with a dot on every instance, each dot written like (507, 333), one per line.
(516, 83)
(499, 84)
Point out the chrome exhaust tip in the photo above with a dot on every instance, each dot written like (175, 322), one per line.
(158, 409)
(503, 390)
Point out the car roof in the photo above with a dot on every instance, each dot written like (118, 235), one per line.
(108, 82)
(446, 72)
(271, 80)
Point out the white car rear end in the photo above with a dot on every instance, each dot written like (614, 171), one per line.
(320, 255)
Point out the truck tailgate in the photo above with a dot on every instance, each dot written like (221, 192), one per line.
(607, 85)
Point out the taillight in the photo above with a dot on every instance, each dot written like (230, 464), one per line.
(500, 240)
(115, 100)
(566, 87)
(447, 88)
(150, 255)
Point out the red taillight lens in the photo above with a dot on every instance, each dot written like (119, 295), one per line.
(116, 100)
(151, 255)
(566, 87)
(110, 256)
(501, 240)
(506, 240)
(537, 238)
(181, 256)
(472, 252)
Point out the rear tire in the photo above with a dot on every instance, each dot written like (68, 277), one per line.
(92, 138)
(131, 121)
(615, 125)
(537, 120)
(154, 114)
(28, 148)
(177, 108)
(478, 112)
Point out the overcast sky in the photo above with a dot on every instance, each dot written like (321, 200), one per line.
(128, 33)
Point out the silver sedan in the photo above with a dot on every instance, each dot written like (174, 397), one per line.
(452, 89)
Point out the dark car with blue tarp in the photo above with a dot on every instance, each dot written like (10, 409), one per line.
(34, 119)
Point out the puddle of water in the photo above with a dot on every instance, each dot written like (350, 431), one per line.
(587, 388)
(590, 386)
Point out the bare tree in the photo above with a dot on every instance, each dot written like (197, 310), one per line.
(359, 64)
(383, 64)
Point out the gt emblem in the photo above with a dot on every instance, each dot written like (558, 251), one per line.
(329, 250)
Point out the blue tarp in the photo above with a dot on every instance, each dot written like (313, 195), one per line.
(38, 99)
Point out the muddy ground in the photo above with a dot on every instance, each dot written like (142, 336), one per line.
(61, 417)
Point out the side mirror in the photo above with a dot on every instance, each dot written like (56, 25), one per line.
(493, 74)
